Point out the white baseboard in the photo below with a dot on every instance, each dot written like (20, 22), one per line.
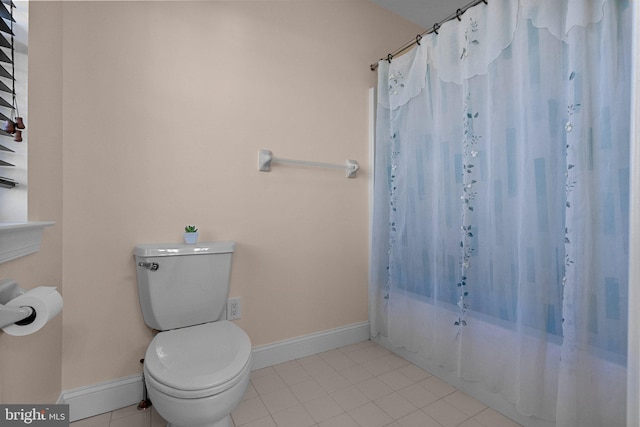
(295, 348)
(95, 399)
(88, 401)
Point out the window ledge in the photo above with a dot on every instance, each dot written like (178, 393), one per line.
(18, 239)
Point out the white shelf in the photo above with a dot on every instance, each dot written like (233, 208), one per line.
(18, 239)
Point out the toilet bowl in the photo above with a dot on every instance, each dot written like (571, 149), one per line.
(197, 375)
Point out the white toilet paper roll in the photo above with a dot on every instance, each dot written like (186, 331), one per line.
(47, 303)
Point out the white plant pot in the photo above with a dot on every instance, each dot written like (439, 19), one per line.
(191, 238)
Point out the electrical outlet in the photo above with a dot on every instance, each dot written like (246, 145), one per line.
(234, 311)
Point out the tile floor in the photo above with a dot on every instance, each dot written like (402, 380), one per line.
(361, 385)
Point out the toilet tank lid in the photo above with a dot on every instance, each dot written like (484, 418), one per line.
(173, 249)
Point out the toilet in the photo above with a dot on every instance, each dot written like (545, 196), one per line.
(197, 367)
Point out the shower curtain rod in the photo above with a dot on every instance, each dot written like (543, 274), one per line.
(433, 29)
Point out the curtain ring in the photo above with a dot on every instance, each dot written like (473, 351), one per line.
(418, 39)
(389, 58)
(436, 27)
(458, 13)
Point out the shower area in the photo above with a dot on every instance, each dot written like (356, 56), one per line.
(502, 206)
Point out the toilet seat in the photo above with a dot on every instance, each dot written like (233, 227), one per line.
(198, 361)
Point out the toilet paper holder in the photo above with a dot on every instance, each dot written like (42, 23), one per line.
(9, 290)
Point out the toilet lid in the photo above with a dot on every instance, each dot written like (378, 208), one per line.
(198, 357)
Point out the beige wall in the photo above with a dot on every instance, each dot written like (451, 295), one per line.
(31, 368)
(164, 106)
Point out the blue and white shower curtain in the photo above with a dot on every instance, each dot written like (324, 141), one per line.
(501, 206)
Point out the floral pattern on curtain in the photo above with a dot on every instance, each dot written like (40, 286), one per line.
(501, 206)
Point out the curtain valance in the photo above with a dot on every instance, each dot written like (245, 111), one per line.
(465, 49)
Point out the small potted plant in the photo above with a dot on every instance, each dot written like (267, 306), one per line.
(190, 234)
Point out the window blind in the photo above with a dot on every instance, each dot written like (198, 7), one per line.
(12, 122)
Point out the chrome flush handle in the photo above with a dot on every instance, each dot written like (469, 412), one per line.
(153, 266)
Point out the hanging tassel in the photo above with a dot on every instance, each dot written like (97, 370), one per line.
(17, 126)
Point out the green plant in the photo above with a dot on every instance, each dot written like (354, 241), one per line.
(190, 229)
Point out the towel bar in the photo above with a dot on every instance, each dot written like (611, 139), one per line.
(265, 158)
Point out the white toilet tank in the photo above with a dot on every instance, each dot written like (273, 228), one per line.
(183, 285)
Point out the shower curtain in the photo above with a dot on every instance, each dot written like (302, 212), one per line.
(501, 207)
